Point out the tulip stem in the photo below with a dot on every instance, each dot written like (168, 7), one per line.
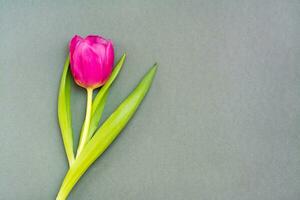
(85, 129)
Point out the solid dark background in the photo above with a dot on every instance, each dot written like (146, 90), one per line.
(221, 121)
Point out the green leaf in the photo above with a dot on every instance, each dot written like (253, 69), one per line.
(100, 99)
(94, 123)
(64, 111)
(105, 135)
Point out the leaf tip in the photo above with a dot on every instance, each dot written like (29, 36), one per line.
(154, 68)
(123, 57)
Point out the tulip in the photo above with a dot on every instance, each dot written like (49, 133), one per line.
(91, 62)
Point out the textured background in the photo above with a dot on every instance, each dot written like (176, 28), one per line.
(221, 121)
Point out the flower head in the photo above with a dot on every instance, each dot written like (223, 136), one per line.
(91, 60)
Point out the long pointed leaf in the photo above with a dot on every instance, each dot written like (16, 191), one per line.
(106, 134)
(64, 112)
(97, 115)
(100, 99)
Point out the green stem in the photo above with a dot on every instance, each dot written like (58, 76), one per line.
(85, 129)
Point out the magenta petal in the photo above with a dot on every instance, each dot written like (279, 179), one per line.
(109, 55)
(74, 41)
(99, 49)
(95, 39)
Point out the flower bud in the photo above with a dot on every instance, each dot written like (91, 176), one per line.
(91, 60)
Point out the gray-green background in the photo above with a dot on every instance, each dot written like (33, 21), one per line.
(221, 121)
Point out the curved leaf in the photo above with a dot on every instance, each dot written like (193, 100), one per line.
(64, 112)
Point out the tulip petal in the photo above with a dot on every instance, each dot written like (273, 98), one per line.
(106, 134)
(109, 54)
(88, 71)
(94, 39)
(73, 43)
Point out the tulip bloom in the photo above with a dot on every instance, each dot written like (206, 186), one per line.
(91, 60)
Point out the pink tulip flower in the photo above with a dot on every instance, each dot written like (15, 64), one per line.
(91, 60)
